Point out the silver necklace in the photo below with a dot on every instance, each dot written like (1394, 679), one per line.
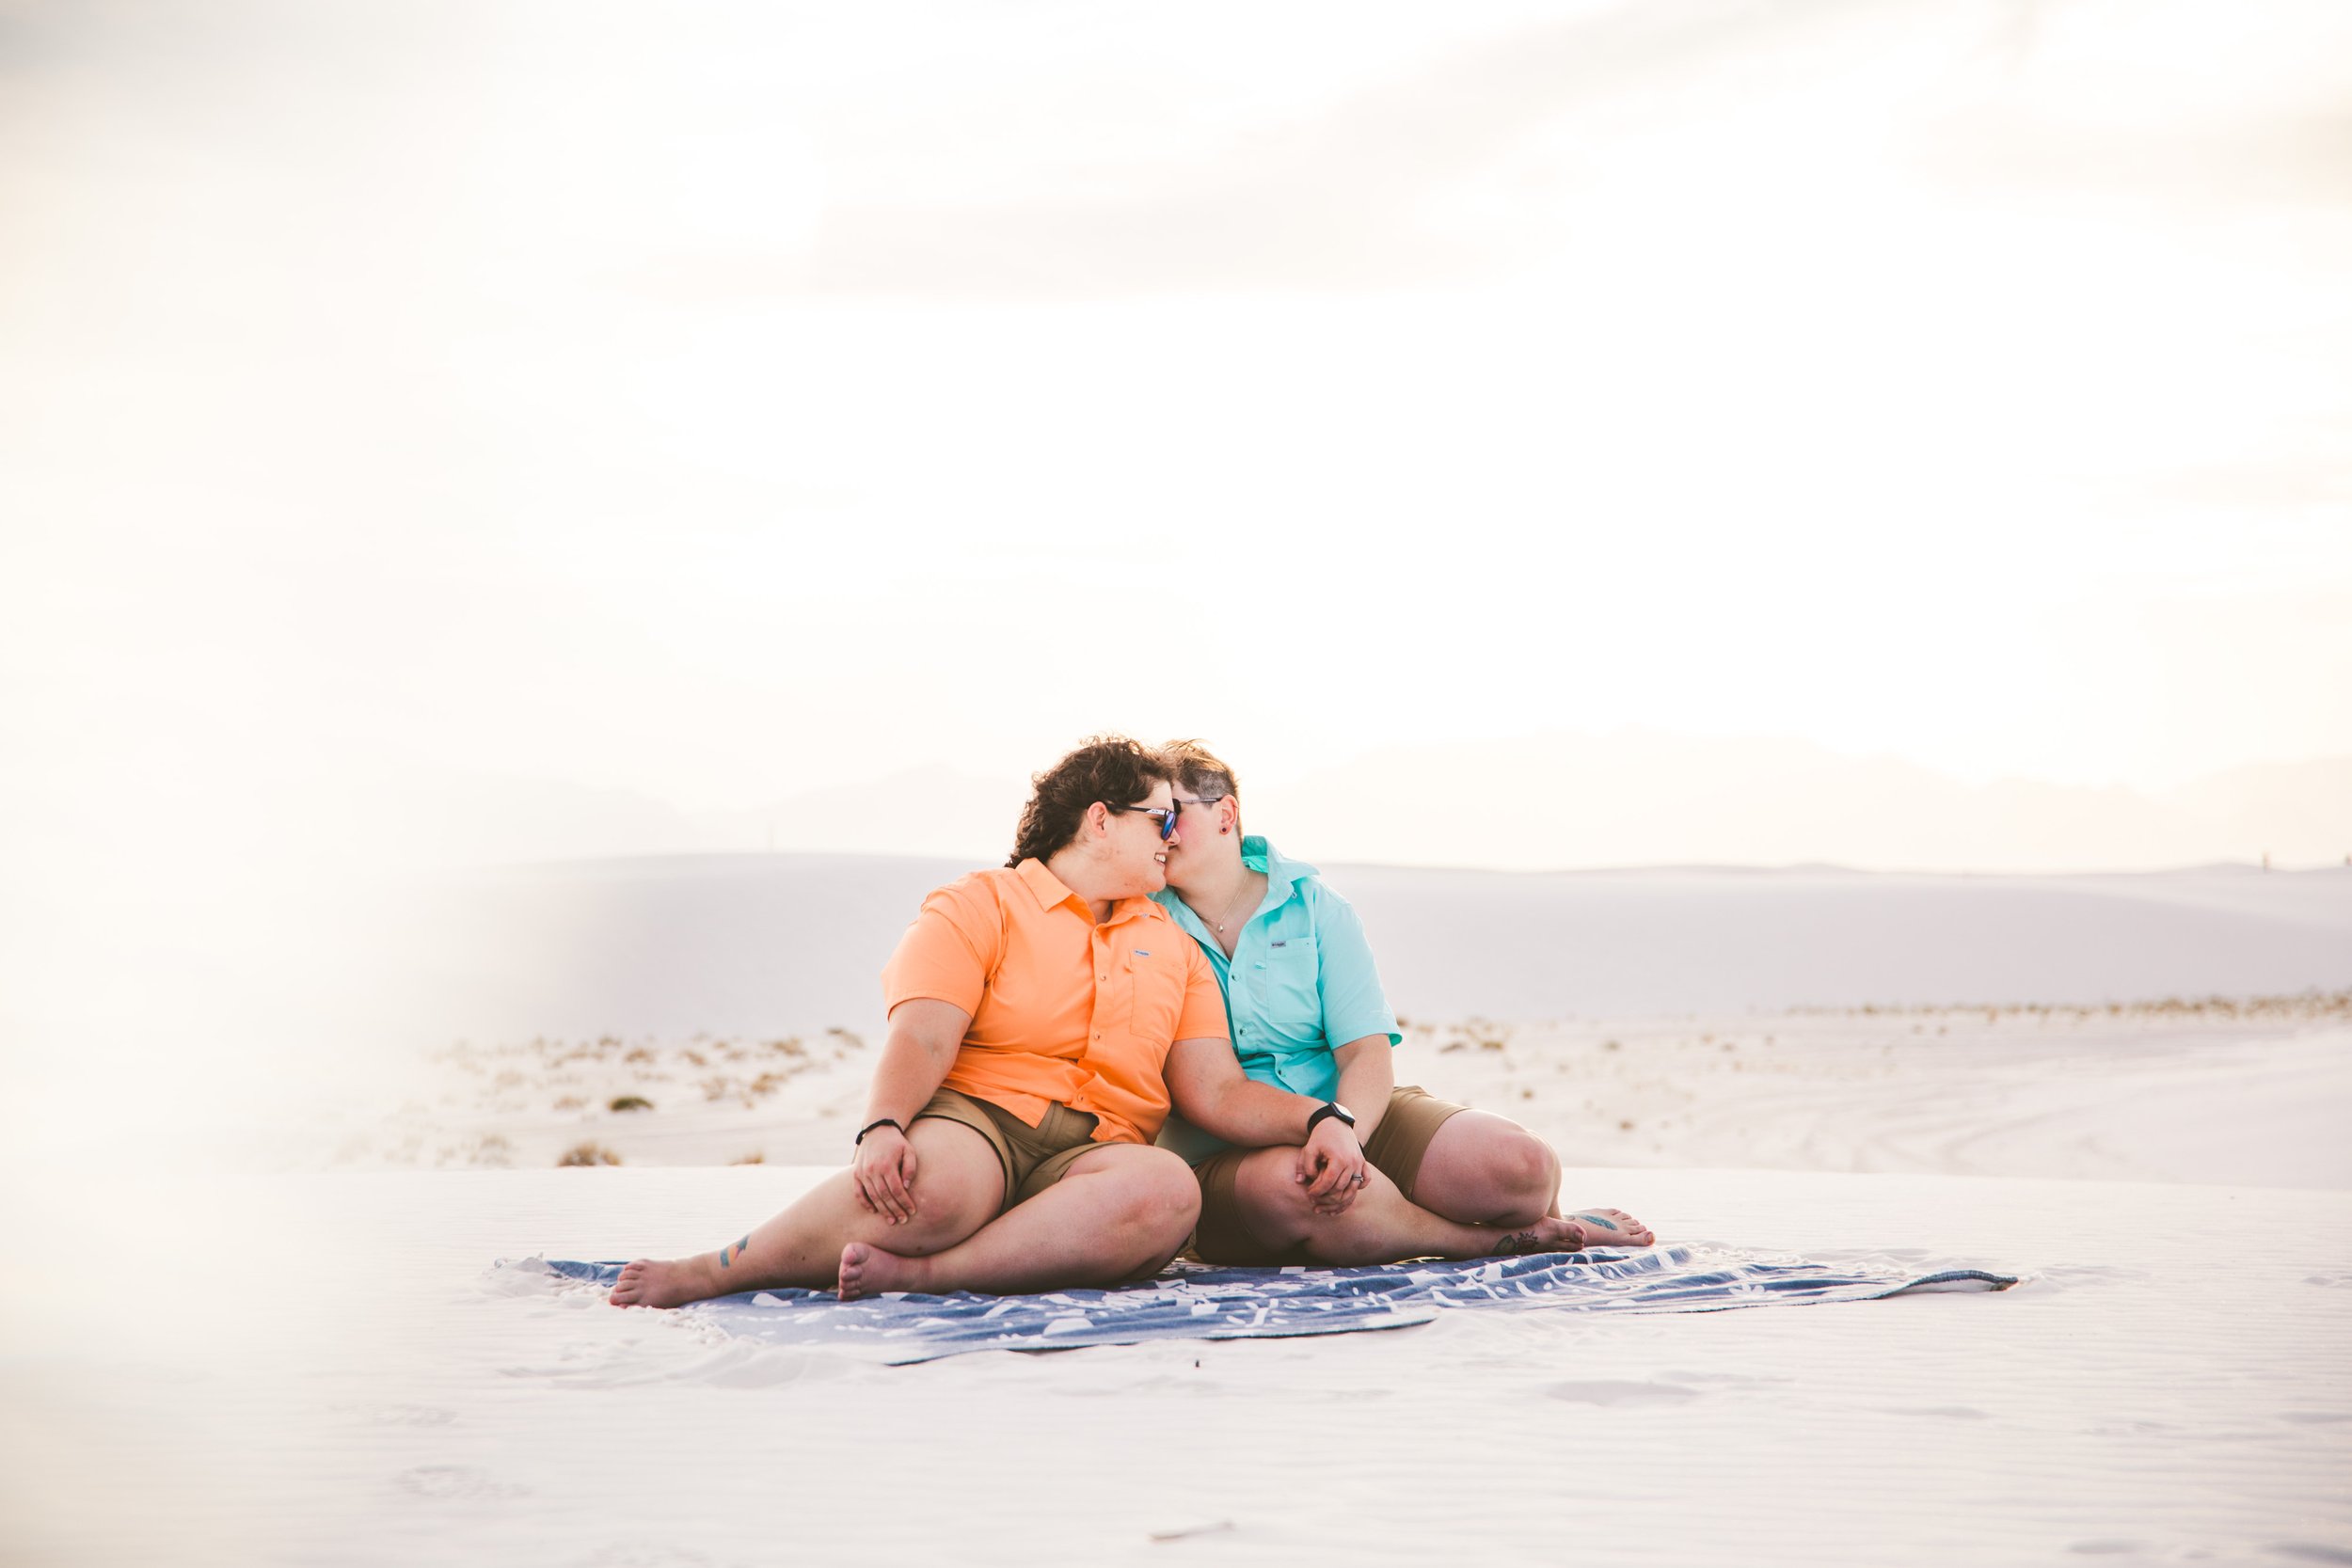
(1235, 904)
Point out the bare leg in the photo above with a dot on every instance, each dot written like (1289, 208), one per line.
(1485, 1170)
(1380, 1227)
(958, 1188)
(1123, 1210)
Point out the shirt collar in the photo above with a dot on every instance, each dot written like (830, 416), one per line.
(1047, 889)
(1051, 893)
(1281, 872)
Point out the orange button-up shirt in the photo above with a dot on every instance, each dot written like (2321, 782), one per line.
(1062, 1008)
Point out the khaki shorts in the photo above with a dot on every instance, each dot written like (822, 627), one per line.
(1396, 1149)
(1034, 1158)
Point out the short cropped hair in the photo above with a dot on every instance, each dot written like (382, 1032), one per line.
(1198, 771)
(1106, 768)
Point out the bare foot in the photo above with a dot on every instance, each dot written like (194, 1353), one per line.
(1549, 1234)
(1612, 1228)
(673, 1282)
(868, 1271)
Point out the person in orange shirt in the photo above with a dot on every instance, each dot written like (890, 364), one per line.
(1033, 1012)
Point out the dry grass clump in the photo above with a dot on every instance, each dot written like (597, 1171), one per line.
(751, 1092)
(1478, 1034)
(585, 1080)
(588, 1154)
(2309, 1005)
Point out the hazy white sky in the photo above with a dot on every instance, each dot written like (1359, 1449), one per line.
(718, 401)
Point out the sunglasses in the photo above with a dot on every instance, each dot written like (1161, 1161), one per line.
(1164, 815)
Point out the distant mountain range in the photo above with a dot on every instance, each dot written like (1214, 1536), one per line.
(1634, 797)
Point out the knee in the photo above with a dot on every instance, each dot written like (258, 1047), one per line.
(1524, 1173)
(1275, 1206)
(939, 1223)
(1160, 1206)
(927, 1233)
(1164, 1198)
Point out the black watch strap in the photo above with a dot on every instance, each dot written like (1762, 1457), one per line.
(1328, 1108)
(886, 1122)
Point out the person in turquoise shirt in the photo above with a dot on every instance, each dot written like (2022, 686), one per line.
(1380, 1172)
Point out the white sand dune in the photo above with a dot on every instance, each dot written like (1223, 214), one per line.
(745, 943)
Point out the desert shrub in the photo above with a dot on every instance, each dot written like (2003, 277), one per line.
(588, 1154)
(631, 1102)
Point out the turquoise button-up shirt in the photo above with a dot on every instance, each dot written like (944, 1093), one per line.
(1300, 982)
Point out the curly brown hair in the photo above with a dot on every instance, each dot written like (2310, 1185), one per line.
(1106, 768)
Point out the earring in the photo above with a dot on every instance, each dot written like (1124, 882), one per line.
(1221, 832)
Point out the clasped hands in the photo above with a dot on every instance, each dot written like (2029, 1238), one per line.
(1331, 1166)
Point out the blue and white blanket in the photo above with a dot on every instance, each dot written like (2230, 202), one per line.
(1192, 1301)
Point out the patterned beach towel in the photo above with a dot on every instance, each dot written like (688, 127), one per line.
(1192, 1301)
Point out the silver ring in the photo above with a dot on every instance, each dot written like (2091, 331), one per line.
(1362, 1176)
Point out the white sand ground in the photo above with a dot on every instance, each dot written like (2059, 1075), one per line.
(317, 1370)
(293, 1349)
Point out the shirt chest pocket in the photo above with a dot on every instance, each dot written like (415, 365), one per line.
(1294, 984)
(1155, 987)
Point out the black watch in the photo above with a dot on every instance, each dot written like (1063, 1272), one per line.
(1330, 1108)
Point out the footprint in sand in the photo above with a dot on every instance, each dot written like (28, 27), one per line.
(645, 1555)
(1620, 1393)
(401, 1415)
(458, 1483)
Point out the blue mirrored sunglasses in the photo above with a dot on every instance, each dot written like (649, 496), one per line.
(1164, 815)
